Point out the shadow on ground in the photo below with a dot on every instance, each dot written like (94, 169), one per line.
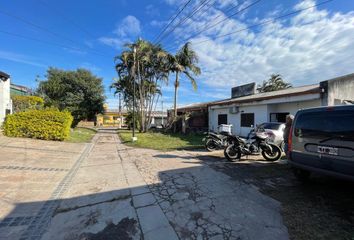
(322, 208)
(192, 199)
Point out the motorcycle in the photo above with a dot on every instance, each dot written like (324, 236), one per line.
(256, 144)
(214, 141)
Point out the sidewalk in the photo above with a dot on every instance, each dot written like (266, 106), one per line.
(108, 199)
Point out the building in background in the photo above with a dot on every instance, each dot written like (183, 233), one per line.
(116, 118)
(5, 100)
(247, 108)
(195, 117)
(16, 90)
(158, 119)
(111, 118)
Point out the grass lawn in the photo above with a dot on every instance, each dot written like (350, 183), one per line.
(81, 135)
(162, 141)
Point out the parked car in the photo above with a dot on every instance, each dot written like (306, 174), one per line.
(275, 131)
(322, 140)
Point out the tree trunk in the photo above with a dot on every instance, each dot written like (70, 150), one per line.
(175, 100)
(175, 105)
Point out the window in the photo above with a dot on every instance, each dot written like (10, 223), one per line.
(325, 124)
(222, 119)
(247, 119)
(278, 117)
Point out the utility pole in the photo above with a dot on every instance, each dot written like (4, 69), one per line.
(162, 111)
(133, 137)
(120, 111)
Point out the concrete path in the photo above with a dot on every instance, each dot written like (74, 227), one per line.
(115, 192)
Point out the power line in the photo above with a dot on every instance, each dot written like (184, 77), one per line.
(223, 20)
(43, 29)
(252, 48)
(264, 23)
(47, 42)
(173, 19)
(194, 11)
(67, 19)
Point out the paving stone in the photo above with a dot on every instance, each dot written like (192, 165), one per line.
(143, 200)
(152, 218)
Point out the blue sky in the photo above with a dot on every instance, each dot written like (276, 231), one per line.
(305, 48)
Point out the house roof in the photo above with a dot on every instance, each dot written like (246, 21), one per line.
(194, 106)
(4, 76)
(295, 91)
(19, 87)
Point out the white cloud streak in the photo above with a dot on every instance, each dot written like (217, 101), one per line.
(20, 58)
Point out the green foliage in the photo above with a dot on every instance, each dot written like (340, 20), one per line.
(22, 103)
(129, 120)
(48, 124)
(163, 141)
(81, 135)
(144, 65)
(274, 83)
(185, 61)
(79, 91)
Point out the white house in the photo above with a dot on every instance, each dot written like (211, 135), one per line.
(248, 108)
(5, 100)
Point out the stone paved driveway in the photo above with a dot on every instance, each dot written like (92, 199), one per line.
(30, 174)
(110, 191)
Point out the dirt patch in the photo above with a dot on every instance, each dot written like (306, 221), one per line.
(124, 230)
(323, 208)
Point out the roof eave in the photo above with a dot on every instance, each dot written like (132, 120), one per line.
(311, 91)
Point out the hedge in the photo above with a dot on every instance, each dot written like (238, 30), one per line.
(22, 103)
(48, 124)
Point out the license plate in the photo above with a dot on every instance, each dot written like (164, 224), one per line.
(327, 150)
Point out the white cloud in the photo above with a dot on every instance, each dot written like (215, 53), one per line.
(20, 58)
(308, 47)
(152, 11)
(125, 30)
(129, 26)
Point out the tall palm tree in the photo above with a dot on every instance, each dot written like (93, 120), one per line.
(185, 61)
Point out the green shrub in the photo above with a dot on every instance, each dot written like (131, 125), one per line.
(48, 124)
(22, 103)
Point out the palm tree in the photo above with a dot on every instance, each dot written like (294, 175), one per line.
(146, 64)
(184, 62)
(274, 83)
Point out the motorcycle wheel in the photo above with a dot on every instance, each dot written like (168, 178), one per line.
(210, 145)
(231, 153)
(274, 155)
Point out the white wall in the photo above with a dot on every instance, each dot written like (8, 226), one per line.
(5, 101)
(293, 107)
(261, 113)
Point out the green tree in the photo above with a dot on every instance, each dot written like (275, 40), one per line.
(146, 65)
(22, 103)
(79, 91)
(274, 83)
(185, 61)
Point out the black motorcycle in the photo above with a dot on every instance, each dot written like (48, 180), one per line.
(216, 141)
(257, 143)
